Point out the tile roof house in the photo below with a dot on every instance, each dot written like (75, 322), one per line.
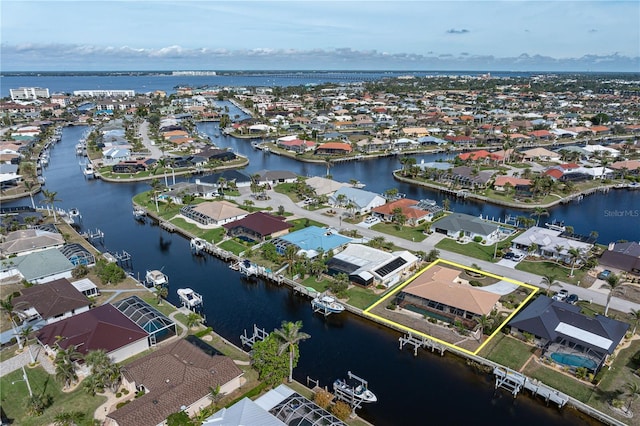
(455, 224)
(27, 241)
(103, 327)
(549, 243)
(441, 290)
(622, 256)
(333, 148)
(213, 212)
(175, 377)
(51, 302)
(41, 266)
(364, 201)
(560, 329)
(258, 226)
(408, 207)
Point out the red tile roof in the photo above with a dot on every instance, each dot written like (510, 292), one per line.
(104, 327)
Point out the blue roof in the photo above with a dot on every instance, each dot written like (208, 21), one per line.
(314, 238)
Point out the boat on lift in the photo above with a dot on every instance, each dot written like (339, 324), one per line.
(89, 171)
(189, 298)
(197, 246)
(139, 213)
(327, 304)
(359, 392)
(155, 278)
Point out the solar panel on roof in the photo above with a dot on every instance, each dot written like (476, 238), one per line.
(390, 267)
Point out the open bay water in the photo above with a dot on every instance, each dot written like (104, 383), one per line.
(411, 390)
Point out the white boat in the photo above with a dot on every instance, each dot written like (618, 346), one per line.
(197, 245)
(189, 298)
(327, 304)
(247, 268)
(156, 278)
(89, 171)
(75, 214)
(139, 213)
(360, 392)
(556, 226)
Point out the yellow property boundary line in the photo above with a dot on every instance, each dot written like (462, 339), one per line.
(416, 332)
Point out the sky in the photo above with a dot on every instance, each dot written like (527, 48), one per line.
(480, 35)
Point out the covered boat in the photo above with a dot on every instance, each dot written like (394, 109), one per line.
(189, 298)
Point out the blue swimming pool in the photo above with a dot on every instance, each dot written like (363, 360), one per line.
(574, 360)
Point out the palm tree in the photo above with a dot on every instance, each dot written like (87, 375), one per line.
(291, 255)
(65, 364)
(50, 199)
(632, 390)
(635, 316)
(29, 185)
(26, 333)
(161, 292)
(485, 323)
(290, 335)
(6, 305)
(193, 319)
(613, 281)
(549, 281)
(574, 255)
(328, 164)
(539, 211)
(68, 418)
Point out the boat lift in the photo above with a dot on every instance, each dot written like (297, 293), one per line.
(258, 334)
(349, 395)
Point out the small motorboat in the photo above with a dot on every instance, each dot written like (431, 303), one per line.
(360, 392)
(155, 278)
(327, 304)
(197, 246)
(189, 298)
(139, 213)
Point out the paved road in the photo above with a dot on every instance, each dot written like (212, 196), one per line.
(143, 133)
(594, 294)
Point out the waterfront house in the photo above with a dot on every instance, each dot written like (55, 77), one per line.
(311, 241)
(409, 208)
(133, 166)
(26, 241)
(548, 243)
(367, 266)
(103, 327)
(274, 177)
(333, 148)
(295, 144)
(239, 179)
(543, 154)
(459, 225)
(622, 256)
(362, 201)
(112, 156)
(468, 177)
(368, 145)
(213, 212)
(439, 292)
(39, 267)
(258, 226)
(567, 336)
(212, 154)
(178, 376)
(323, 186)
(50, 302)
(519, 184)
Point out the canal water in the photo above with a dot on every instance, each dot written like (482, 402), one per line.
(411, 390)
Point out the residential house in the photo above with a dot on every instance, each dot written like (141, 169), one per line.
(543, 154)
(311, 241)
(409, 208)
(439, 292)
(274, 177)
(176, 377)
(549, 243)
(360, 201)
(50, 302)
(519, 184)
(333, 148)
(39, 267)
(103, 327)
(26, 241)
(295, 144)
(459, 225)
(133, 166)
(258, 226)
(323, 186)
(368, 145)
(622, 256)
(213, 212)
(367, 266)
(562, 332)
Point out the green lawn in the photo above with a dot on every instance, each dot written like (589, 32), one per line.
(212, 235)
(474, 250)
(507, 351)
(361, 297)
(550, 268)
(288, 190)
(14, 397)
(564, 383)
(299, 224)
(165, 307)
(319, 286)
(233, 247)
(406, 232)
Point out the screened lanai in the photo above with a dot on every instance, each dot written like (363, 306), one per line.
(146, 317)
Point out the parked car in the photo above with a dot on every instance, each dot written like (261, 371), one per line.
(561, 295)
(518, 257)
(604, 274)
(572, 299)
(508, 255)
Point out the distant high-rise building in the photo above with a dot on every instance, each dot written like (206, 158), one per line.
(28, 93)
